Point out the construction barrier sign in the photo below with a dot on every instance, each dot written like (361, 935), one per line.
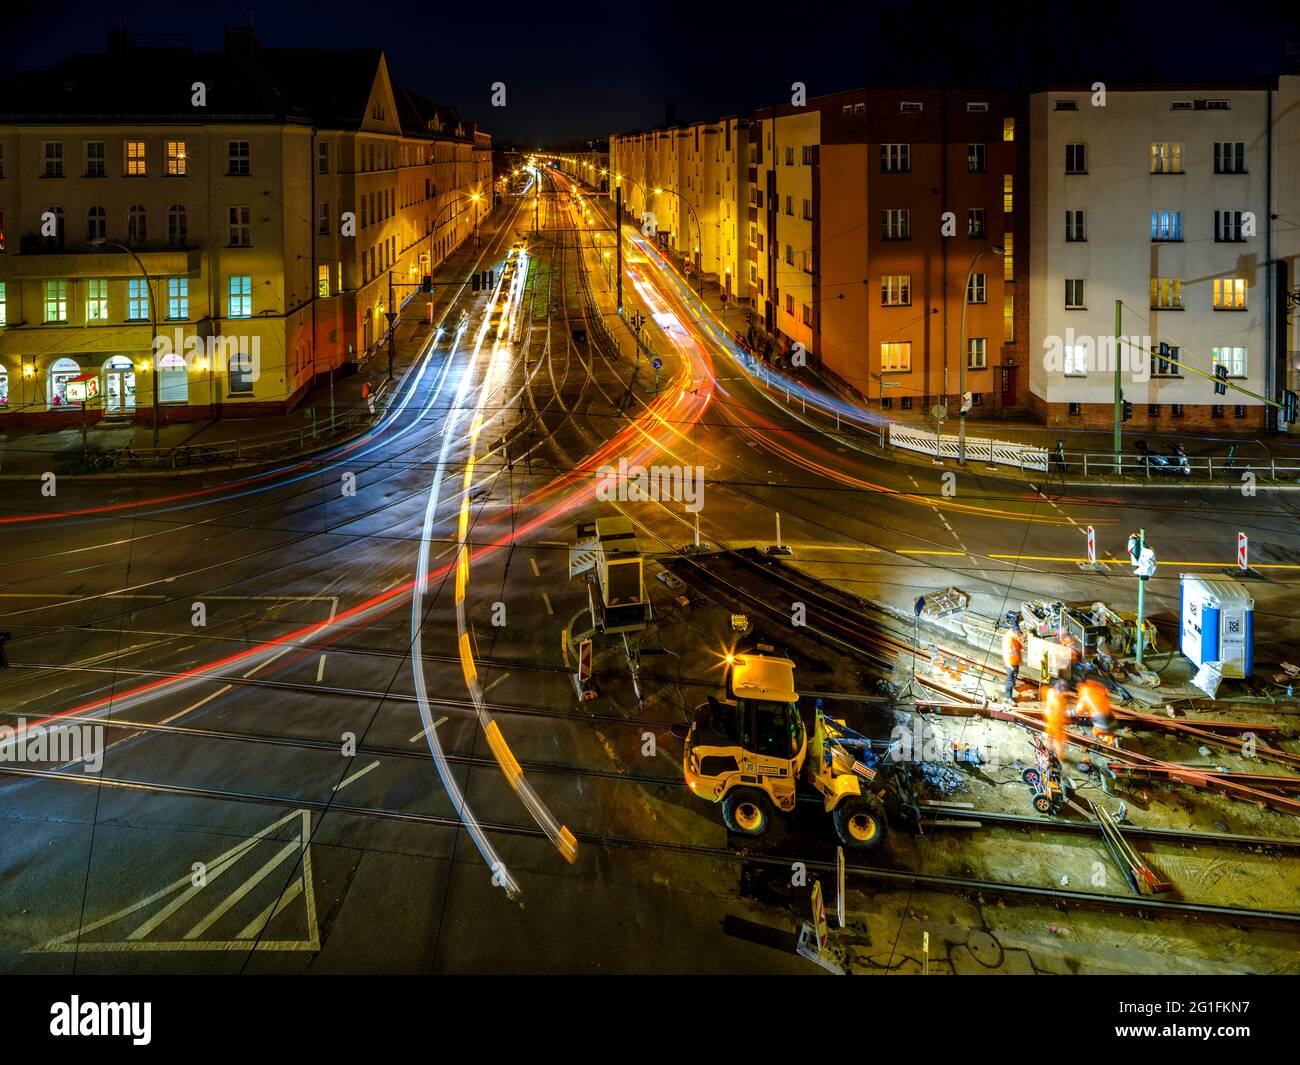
(1242, 549)
(1092, 544)
(584, 661)
(839, 885)
(819, 916)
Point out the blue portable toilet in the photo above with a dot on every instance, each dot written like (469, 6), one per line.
(1216, 623)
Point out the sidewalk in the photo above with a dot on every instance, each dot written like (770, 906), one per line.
(249, 441)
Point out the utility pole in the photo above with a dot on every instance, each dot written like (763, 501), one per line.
(1119, 414)
(391, 315)
(618, 246)
(1144, 567)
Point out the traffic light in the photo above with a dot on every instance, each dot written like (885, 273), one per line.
(1128, 410)
(474, 281)
(1220, 380)
(1288, 407)
(427, 284)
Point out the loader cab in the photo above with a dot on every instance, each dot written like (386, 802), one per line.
(754, 738)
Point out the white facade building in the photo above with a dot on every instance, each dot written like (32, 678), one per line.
(1158, 198)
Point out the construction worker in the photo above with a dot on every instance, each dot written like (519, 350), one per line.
(1094, 701)
(1013, 646)
(1054, 715)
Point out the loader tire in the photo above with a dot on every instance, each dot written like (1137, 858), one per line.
(746, 811)
(859, 822)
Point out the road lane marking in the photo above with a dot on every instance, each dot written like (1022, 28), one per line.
(278, 654)
(420, 734)
(547, 600)
(205, 699)
(533, 562)
(921, 551)
(320, 669)
(495, 683)
(355, 776)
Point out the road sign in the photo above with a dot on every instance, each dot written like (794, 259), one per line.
(584, 661)
(1092, 544)
(819, 915)
(1242, 548)
(939, 412)
(657, 364)
(839, 885)
(967, 401)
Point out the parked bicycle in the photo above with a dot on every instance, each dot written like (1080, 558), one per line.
(194, 455)
(114, 459)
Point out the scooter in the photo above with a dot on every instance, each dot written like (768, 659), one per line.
(1154, 461)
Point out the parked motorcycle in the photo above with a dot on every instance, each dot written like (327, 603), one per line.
(1157, 462)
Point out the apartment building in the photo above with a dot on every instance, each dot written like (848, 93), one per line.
(258, 211)
(1159, 199)
(850, 225)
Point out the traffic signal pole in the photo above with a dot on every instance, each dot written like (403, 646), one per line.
(1142, 594)
(1119, 407)
(618, 246)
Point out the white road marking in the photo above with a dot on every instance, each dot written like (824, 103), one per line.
(320, 669)
(278, 654)
(533, 562)
(355, 776)
(547, 600)
(493, 684)
(205, 699)
(422, 731)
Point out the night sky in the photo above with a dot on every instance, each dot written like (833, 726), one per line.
(574, 75)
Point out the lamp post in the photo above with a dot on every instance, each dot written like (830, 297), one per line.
(961, 354)
(699, 230)
(153, 321)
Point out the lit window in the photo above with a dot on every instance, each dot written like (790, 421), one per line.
(1166, 293)
(1230, 294)
(896, 290)
(1166, 157)
(1008, 257)
(1233, 358)
(1166, 225)
(177, 158)
(322, 281)
(240, 299)
(896, 356)
(1008, 318)
(135, 161)
(1076, 360)
(1008, 129)
(56, 301)
(1008, 193)
(178, 298)
(96, 300)
(137, 299)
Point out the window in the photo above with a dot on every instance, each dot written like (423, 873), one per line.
(1166, 157)
(1076, 158)
(1008, 193)
(1165, 360)
(136, 229)
(178, 298)
(896, 357)
(1233, 358)
(895, 158)
(323, 218)
(896, 290)
(1153, 410)
(322, 281)
(789, 304)
(1066, 105)
(239, 227)
(910, 106)
(323, 157)
(1008, 129)
(238, 159)
(1228, 227)
(239, 302)
(1239, 411)
(906, 403)
(96, 224)
(1008, 319)
(789, 155)
(896, 224)
(1176, 410)
(55, 240)
(1230, 294)
(1074, 230)
(1074, 294)
(137, 299)
(95, 159)
(135, 160)
(1166, 293)
(807, 314)
(975, 158)
(1229, 157)
(975, 223)
(809, 156)
(807, 210)
(886, 403)
(1008, 256)
(977, 105)
(56, 301)
(52, 165)
(789, 206)
(177, 226)
(976, 289)
(977, 353)
(96, 300)
(177, 159)
(789, 255)
(1166, 225)
(239, 373)
(1216, 410)
(1074, 409)
(173, 379)
(1076, 360)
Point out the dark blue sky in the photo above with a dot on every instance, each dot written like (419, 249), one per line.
(576, 74)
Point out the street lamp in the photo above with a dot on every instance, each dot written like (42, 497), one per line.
(99, 242)
(700, 230)
(961, 387)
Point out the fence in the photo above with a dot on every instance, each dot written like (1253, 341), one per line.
(978, 449)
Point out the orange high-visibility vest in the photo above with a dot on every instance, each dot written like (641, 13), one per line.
(1093, 698)
(1012, 645)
